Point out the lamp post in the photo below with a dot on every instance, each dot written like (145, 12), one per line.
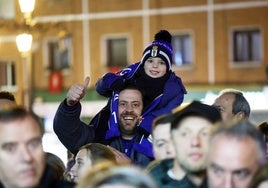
(24, 44)
(27, 7)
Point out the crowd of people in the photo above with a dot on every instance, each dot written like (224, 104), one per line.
(145, 137)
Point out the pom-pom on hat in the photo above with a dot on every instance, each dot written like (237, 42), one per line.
(160, 47)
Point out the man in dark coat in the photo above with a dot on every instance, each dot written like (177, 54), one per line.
(116, 127)
(22, 159)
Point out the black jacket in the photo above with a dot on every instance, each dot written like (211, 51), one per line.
(74, 133)
(48, 181)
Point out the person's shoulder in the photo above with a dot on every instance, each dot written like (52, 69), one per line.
(152, 165)
(159, 165)
(174, 76)
(175, 82)
(158, 170)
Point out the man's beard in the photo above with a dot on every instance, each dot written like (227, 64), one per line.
(128, 132)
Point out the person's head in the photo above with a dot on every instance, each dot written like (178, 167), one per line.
(22, 159)
(157, 57)
(107, 175)
(162, 145)
(260, 178)
(235, 154)
(130, 106)
(190, 131)
(89, 155)
(56, 164)
(232, 105)
(6, 99)
(263, 127)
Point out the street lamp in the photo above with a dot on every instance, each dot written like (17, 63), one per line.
(27, 25)
(27, 7)
(24, 45)
(24, 42)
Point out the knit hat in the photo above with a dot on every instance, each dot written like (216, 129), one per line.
(160, 47)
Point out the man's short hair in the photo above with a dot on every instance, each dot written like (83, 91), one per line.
(243, 129)
(18, 112)
(162, 119)
(135, 87)
(240, 103)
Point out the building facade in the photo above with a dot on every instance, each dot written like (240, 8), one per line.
(215, 41)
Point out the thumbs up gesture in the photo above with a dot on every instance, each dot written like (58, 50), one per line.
(77, 92)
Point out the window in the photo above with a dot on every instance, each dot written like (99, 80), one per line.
(116, 53)
(7, 10)
(59, 53)
(246, 46)
(7, 75)
(182, 49)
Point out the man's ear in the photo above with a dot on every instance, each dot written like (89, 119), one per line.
(240, 116)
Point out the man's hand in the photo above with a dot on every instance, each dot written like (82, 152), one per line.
(77, 92)
(121, 158)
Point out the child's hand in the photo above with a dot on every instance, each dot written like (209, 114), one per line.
(118, 84)
(114, 81)
(77, 92)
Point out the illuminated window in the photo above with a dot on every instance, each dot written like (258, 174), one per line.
(7, 74)
(116, 52)
(59, 53)
(7, 10)
(182, 49)
(246, 45)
